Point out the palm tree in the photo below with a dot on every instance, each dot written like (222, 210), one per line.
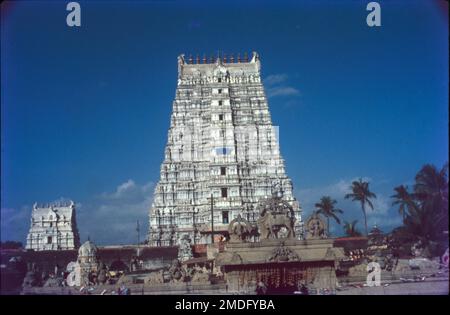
(427, 215)
(404, 200)
(362, 194)
(350, 229)
(326, 206)
(431, 192)
(431, 187)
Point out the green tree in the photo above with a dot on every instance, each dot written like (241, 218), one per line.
(431, 190)
(362, 194)
(404, 200)
(427, 217)
(350, 229)
(327, 208)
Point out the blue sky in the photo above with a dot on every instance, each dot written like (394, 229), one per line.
(85, 111)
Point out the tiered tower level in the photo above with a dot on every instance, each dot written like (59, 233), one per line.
(221, 143)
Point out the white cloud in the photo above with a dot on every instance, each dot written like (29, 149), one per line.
(383, 213)
(275, 79)
(111, 217)
(282, 91)
(129, 184)
(275, 85)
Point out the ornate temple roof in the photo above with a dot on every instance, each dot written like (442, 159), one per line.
(87, 249)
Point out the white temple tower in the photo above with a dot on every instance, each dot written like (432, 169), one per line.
(53, 227)
(221, 143)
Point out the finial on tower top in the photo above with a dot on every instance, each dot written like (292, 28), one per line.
(218, 58)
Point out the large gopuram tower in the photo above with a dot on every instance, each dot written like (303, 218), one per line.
(221, 144)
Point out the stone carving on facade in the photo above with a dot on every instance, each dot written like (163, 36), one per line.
(184, 249)
(275, 214)
(176, 272)
(200, 276)
(228, 258)
(282, 254)
(155, 277)
(315, 227)
(239, 229)
(228, 78)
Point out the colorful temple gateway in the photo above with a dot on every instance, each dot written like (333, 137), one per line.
(222, 157)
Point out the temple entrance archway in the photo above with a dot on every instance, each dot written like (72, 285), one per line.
(280, 277)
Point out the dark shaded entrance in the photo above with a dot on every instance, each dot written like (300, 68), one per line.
(278, 278)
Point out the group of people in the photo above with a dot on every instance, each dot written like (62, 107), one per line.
(301, 288)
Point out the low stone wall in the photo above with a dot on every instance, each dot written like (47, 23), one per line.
(135, 289)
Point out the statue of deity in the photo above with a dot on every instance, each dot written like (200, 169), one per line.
(184, 249)
(239, 229)
(315, 227)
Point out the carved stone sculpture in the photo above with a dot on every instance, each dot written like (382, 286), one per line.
(275, 213)
(200, 278)
(283, 253)
(315, 227)
(156, 277)
(239, 229)
(176, 271)
(184, 249)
